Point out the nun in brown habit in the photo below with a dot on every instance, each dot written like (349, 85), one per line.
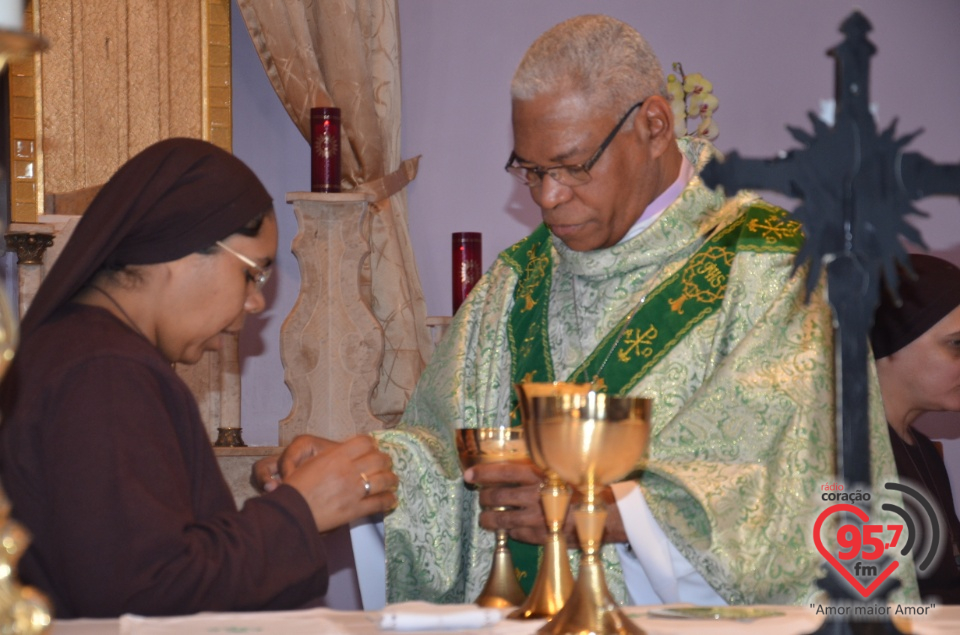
(917, 348)
(103, 454)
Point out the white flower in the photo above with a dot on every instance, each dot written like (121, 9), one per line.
(675, 89)
(707, 129)
(702, 105)
(691, 97)
(696, 83)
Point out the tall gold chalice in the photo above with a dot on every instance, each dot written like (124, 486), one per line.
(554, 580)
(591, 440)
(493, 445)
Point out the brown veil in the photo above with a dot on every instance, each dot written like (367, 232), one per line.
(926, 300)
(176, 197)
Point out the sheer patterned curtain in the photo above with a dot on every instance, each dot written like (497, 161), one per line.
(346, 53)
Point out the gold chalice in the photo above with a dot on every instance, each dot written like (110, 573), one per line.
(493, 445)
(591, 440)
(554, 580)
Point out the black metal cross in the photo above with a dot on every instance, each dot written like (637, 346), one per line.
(856, 186)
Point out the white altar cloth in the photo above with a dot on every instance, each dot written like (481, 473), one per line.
(942, 620)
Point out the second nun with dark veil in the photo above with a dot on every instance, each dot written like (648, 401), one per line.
(916, 343)
(103, 453)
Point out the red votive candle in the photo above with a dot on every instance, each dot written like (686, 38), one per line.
(325, 149)
(467, 264)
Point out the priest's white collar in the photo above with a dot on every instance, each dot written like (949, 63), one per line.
(662, 202)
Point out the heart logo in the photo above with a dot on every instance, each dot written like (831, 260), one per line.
(862, 515)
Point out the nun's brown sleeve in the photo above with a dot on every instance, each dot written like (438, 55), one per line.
(110, 468)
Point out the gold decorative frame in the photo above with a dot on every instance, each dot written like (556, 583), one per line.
(217, 73)
(26, 161)
(117, 77)
(26, 104)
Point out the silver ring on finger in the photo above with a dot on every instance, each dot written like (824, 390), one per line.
(366, 484)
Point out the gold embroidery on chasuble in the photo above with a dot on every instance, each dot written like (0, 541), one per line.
(704, 279)
(527, 333)
(638, 342)
(534, 273)
(663, 318)
(774, 229)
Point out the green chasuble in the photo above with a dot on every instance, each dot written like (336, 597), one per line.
(648, 332)
(742, 387)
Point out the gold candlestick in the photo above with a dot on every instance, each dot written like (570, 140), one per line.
(591, 440)
(23, 610)
(493, 445)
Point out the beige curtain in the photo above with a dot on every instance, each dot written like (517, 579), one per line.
(346, 53)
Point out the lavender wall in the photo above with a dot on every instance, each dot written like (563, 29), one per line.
(766, 59)
(768, 64)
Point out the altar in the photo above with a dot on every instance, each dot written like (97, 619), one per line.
(783, 620)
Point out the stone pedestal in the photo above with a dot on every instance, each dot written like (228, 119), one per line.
(331, 344)
(237, 467)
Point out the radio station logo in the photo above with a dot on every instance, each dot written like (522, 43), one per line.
(860, 544)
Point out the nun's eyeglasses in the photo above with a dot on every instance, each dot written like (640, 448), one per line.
(258, 276)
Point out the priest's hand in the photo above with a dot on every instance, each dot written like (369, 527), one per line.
(613, 530)
(516, 486)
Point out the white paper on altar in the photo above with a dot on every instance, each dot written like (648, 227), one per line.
(308, 622)
(423, 616)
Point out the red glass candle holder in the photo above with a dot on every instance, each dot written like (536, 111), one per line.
(325, 149)
(467, 264)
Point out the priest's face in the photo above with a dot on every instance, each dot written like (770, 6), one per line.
(566, 129)
(925, 373)
(209, 294)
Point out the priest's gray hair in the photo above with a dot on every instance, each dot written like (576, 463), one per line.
(593, 55)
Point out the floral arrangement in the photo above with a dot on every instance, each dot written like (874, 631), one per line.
(691, 98)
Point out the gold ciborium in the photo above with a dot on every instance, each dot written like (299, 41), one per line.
(554, 580)
(591, 440)
(494, 445)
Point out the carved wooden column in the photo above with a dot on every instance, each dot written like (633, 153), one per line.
(331, 344)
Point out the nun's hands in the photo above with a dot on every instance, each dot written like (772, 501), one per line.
(339, 481)
(267, 471)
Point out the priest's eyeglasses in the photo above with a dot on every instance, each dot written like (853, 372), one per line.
(258, 276)
(568, 175)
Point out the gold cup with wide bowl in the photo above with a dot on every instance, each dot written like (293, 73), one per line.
(494, 445)
(590, 440)
(554, 580)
